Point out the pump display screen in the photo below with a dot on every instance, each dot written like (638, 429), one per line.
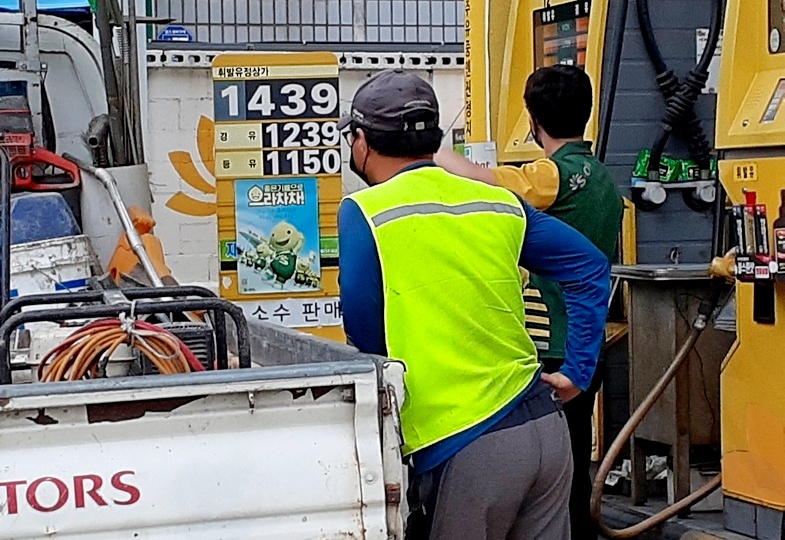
(774, 103)
(561, 33)
(776, 26)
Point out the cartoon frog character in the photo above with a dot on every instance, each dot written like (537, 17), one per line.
(301, 271)
(261, 259)
(285, 242)
(314, 280)
(304, 274)
(264, 250)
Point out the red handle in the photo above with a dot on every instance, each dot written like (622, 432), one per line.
(41, 156)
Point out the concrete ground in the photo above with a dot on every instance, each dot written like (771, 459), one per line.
(619, 513)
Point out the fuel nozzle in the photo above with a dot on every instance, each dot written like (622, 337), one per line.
(709, 303)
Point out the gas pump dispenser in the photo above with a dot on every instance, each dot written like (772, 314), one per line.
(507, 40)
(751, 133)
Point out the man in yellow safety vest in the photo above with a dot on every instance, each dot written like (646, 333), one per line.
(429, 275)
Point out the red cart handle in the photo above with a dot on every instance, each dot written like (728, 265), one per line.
(41, 156)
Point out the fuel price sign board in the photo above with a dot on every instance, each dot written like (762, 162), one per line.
(276, 120)
(278, 166)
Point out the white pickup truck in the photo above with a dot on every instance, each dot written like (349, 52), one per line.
(306, 448)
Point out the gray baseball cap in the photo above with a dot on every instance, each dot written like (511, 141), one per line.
(388, 101)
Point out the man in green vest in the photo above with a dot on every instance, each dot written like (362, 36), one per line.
(575, 187)
(429, 275)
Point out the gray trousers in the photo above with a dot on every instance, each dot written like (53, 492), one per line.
(512, 484)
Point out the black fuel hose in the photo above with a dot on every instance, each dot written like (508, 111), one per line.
(647, 33)
(680, 97)
(667, 81)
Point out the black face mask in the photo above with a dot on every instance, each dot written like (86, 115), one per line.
(356, 170)
(537, 140)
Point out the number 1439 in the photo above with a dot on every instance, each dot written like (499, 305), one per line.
(257, 100)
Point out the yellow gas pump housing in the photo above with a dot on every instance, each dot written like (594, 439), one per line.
(506, 40)
(751, 131)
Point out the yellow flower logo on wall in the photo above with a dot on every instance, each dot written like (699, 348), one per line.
(185, 166)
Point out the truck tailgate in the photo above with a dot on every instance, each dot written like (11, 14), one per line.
(273, 453)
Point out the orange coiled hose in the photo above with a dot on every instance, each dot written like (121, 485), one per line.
(85, 349)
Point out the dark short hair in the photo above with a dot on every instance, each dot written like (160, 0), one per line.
(559, 99)
(402, 143)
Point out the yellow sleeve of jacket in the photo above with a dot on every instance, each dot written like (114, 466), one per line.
(537, 183)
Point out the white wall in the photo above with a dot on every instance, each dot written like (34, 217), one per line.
(177, 98)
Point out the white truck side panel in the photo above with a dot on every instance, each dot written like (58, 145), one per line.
(279, 459)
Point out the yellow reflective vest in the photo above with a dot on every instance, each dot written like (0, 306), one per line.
(453, 312)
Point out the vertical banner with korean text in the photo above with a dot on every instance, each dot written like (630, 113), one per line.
(278, 166)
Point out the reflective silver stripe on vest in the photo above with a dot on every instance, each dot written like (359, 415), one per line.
(437, 208)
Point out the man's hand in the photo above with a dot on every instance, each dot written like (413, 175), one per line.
(565, 388)
(458, 165)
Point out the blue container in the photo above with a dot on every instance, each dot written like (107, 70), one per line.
(46, 5)
(40, 216)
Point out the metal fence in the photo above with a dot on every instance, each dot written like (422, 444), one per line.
(296, 22)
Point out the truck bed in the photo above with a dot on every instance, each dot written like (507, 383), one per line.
(289, 452)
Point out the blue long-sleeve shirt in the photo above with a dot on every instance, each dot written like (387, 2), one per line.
(551, 249)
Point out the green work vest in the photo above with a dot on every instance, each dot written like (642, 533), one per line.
(453, 312)
(589, 202)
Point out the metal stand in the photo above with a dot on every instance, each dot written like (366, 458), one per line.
(663, 303)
